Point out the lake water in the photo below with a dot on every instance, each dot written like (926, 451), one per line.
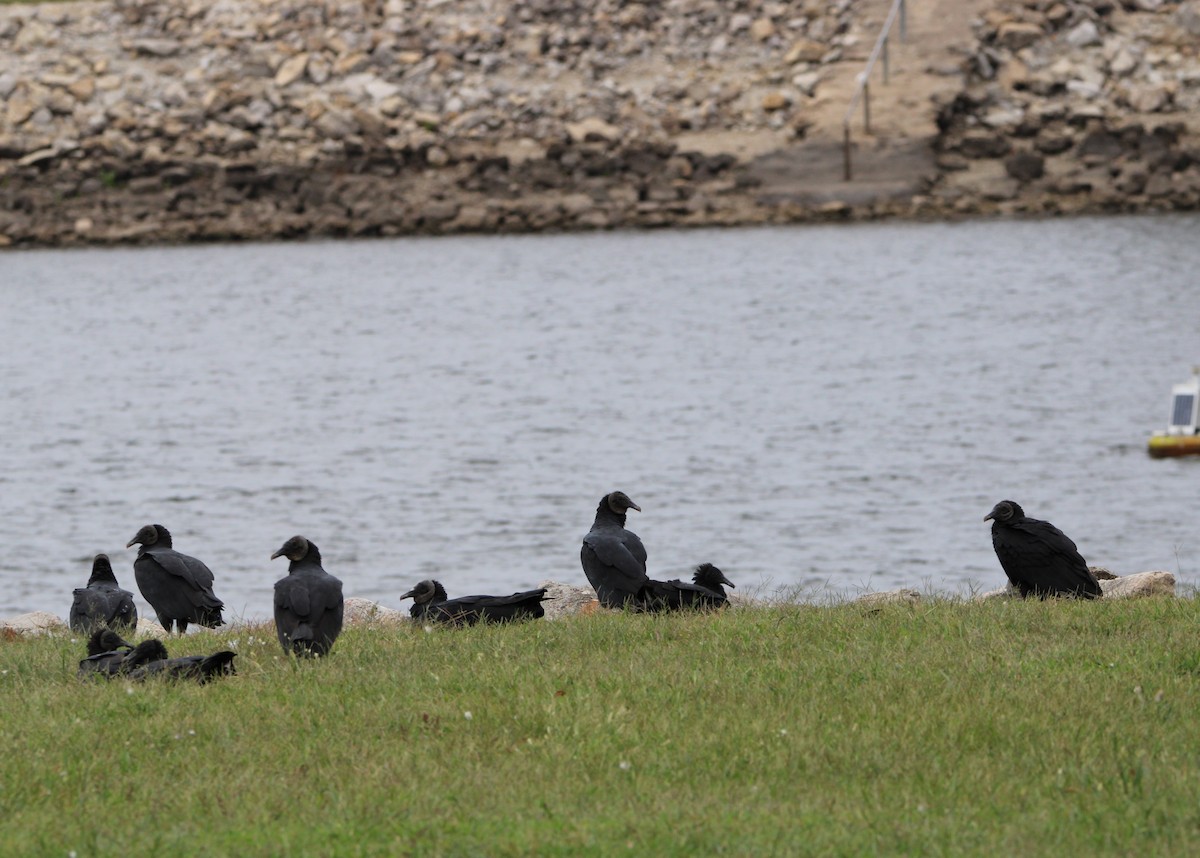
(830, 408)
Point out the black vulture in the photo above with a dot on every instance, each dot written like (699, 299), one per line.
(201, 668)
(1037, 557)
(105, 651)
(102, 602)
(614, 559)
(177, 586)
(431, 603)
(705, 591)
(109, 655)
(308, 601)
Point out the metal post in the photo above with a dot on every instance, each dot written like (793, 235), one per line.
(866, 107)
(846, 151)
(886, 65)
(904, 20)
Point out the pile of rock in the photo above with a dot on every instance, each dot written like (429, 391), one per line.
(1077, 105)
(179, 119)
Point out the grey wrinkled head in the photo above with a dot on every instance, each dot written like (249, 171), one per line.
(1005, 511)
(426, 592)
(151, 534)
(619, 502)
(294, 549)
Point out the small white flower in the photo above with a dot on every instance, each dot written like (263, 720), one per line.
(191, 732)
(428, 629)
(623, 765)
(467, 715)
(129, 689)
(783, 732)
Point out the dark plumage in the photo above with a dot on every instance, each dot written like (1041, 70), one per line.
(431, 603)
(1037, 557)
(102, 603)
(201, 668)
(705, 591)
(105, 651)
(109, 655)
(177, 586)
(614, 559)
(308, 601)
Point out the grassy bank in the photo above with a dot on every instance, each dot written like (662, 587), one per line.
(948, 728)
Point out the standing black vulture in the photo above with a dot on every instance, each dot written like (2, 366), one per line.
(308, 601)
(102, 602)
(177, 586)
(431, 603)
(705, 591)
(1037, 557)
(614, 559)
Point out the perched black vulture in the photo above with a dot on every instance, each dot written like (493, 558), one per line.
(705, 591)
(1037, 557)
(614, 559)
(201, 668)
(102, 603)
(430, 603)
(308, 601)
(177, 586)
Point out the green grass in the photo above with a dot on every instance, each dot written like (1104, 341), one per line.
(945, 728)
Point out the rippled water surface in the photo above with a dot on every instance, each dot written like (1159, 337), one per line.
(830, 407)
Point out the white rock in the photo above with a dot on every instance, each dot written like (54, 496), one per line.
(1004, 117)
(1003, 593)
(904, 596)
(1123, 63)
(807, 82)
(566, 600)
(291, 69)
(1147, 98)
(359, 611)
(149, 629)
(34, 623)
(1139, 585)
(1083, 34)
(593, 128)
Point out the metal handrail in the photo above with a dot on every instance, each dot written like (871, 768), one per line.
(862, 89)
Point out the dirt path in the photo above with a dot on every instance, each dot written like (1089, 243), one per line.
(924, 65)
(894, 158)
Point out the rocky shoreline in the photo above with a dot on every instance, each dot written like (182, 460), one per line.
(567, 600)
(130, 121)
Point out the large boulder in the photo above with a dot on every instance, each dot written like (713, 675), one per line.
(33, 623)
(1139, 585)
(359, 611)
